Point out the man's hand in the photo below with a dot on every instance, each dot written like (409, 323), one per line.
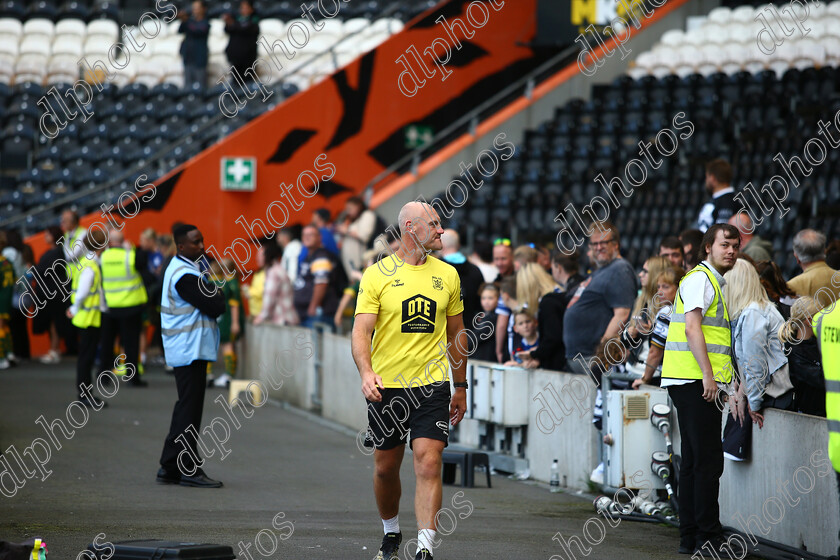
(69, 313)
(458, 406)
(234, 329)
(371, 383)
(710, 388)
(637, 383)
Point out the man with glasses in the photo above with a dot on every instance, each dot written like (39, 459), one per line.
(503, 261)
(602, 304)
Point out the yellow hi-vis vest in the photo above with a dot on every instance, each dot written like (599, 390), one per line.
(121, 282)
(89, 314)
(71, 239)
(826, 325)
(678, 362)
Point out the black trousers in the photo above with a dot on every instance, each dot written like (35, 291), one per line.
(702, 462)
(128, 326)
(18, 324)
(191, 381)
(88, 344)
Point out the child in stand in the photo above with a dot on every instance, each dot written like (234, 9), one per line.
(485, 326)
(230, 323)
(525, 325)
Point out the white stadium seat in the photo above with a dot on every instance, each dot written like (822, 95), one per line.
(217, 27)
(9, 46)
(743, 14)
(273, 27)
(355, 25)
(97, 45)
(809, 53)
(71, 27)
(709, 59)
(39, 26)
(34, 45)
(721, 15)
(104, 28)
(30, 68)
(673, 38)
(10, 27)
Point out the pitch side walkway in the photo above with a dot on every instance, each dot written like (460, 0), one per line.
(282, 467)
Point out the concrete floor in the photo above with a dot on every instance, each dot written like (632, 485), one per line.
(280, 461)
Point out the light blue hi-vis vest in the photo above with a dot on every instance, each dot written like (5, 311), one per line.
(188, 334)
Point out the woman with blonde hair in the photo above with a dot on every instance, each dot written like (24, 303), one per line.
(763, 366)
(537, 291)
(804, 359)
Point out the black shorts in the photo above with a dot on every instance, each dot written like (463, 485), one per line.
(420, 411)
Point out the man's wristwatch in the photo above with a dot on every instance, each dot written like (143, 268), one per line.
(459, 384)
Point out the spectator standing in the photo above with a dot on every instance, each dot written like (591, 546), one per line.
(321, 220)
(566, 272)
(503, 261)
(189, 309)
(470, 275)
(723, 205)
(194, 51)
(484, 327)
(53, 274)
(481, 257)
(357, 230)
(72, 241)
(803, 354)
(88, 304)
(7, 288)
(698, 356)
(666, 284)
(289, 241)
(774, 284)
(125, 296)
(762, 365)
(276, 304)
(692, 240)
(154, 258)
(537, 290)
(672, 249)
(602, 305)
(815, 280)
(231, 322)
(752, 245)
(316, 289)
(244, 32)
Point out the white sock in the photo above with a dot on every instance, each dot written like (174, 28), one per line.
(425, 538)
(391, 525)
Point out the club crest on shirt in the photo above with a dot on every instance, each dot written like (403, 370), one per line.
(437, 283)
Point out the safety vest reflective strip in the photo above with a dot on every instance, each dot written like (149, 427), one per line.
(678, 362)
(121, 289)
(200, 324)
(827, 329)
(89, 314)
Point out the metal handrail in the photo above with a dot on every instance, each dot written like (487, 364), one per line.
(159, 155)
(471, 118)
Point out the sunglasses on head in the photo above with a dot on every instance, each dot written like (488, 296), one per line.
(502, 241)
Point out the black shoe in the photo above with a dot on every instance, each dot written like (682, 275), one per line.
(137, 382)
(390, 549)
(709, 548)
(687, 545)
(168, 477)
(93, 402)
(200, 480)
(423, 555)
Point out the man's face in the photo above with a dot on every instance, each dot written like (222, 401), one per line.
(710, 183)
(426, 230)
(316, 220)
(198, 10)
(604, 248)
(311, 238)
(724, 252)
(245, 9)
(67, 222)
(503, 259)
(192, 248)
(673, 255)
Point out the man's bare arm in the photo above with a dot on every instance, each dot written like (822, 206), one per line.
(456, 338)
(697, 345)
(619, 318)
(360, 346)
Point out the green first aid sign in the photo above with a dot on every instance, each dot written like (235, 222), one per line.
(239, 174)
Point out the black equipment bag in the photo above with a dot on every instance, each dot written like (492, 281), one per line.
(160, 550)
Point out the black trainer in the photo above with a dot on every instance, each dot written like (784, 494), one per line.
(423, 554)
(390, 549)
(687, 544)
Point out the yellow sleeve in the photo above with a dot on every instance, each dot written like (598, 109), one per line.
(367, 301)
(456, 296)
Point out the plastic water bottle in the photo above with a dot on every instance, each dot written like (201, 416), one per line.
(554, 485)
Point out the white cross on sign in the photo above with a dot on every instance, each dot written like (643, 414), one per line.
(239, 174)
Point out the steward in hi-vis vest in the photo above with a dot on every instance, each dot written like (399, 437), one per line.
(189, 307)
(826, 326)
(698, 356)
(85, 312)
(126, 298)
